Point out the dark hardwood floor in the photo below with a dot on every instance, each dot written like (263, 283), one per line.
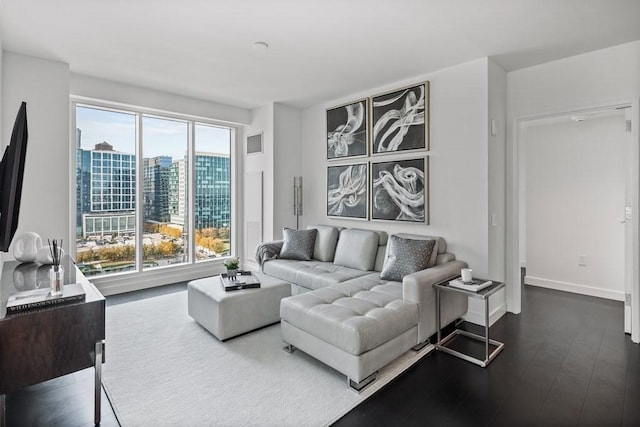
(566, 362)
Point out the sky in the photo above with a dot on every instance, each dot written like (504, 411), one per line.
(160, 136)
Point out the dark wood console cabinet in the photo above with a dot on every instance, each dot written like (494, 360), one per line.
(40, 345)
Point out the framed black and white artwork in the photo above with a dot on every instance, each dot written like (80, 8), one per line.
(400, 190)
(347, 130)
(401, 120)
(347, 195)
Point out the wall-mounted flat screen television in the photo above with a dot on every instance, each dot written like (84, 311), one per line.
(11, 173)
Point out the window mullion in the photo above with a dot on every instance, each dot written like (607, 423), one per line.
(191, 192)
(139, 194)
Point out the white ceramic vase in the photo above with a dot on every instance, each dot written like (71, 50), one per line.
(25, 246)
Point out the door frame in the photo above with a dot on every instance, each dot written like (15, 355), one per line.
(514, 298)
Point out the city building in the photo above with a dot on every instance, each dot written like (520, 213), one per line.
(212, 202)
(156, 189)
(105, 190)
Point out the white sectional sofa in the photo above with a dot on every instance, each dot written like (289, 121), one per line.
(344, 314)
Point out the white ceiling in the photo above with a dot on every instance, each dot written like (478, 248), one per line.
(319, 49)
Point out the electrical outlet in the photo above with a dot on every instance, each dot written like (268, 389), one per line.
(582, 260)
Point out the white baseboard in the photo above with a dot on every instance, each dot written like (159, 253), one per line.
(494, 315)
(574, 288)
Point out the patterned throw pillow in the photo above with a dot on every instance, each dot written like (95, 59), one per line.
(298, 244)
(405, 256)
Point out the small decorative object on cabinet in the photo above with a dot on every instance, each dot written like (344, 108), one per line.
(56, 275)
(25, 246)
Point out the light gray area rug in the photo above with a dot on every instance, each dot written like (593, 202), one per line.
(163, 369)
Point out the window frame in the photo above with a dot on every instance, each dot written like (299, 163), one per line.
(139, 278)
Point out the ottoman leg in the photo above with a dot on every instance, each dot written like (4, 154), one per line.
(362, 384)
(288, 348)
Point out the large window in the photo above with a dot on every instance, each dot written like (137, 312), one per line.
(151, 191)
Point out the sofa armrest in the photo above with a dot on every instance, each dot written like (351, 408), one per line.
(418, 287)
(268, 250)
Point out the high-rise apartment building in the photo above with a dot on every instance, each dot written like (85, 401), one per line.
(178, 192)
(105, 189)
(212, 190)
(156, 189)
(212, 193)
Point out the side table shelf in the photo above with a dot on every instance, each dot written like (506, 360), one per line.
(441, 343)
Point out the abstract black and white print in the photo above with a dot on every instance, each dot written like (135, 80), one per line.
(399, 190)
(347, 130)
(400, 120)
(347, 191)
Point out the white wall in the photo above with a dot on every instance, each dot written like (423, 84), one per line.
(262, 122)
(458, 163)
(603, 76)
(497, 98)
(575, 198)
(496, 221)
(44, 85)
(281, 127)
(287, 129)
(3, 143)
(595, 77)
(106, 90)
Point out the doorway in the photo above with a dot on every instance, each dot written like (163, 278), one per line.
(576, 187)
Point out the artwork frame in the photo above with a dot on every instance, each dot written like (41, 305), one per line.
(347, 128)
(400, 120)
(399, 190)
(348, 191)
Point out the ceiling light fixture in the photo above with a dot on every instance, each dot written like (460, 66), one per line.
(261, 46)
(578, 118)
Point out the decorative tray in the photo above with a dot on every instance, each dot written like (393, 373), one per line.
(243, 280)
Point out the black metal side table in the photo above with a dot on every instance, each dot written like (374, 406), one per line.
(482, 294)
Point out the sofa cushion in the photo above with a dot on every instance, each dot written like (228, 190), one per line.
(310, 274)
(357, 249)
(354, 324)
(371, 282)
(440, 246)
(298, 244)
(406, 256)
(326, 241)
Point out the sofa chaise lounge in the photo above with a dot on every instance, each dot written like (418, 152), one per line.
(345, 314)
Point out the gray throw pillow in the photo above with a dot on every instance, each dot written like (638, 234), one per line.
(298, 244)
(405, 256)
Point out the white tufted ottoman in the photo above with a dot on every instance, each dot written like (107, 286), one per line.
(228, 314)
(357, 334)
